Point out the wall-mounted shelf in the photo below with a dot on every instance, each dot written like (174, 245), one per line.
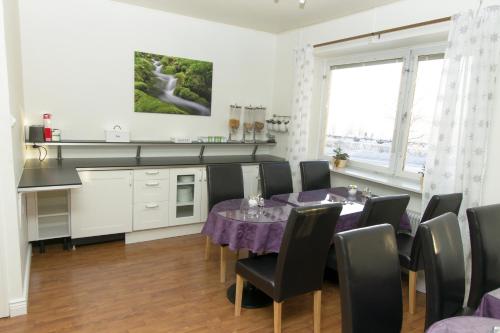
(139, 144)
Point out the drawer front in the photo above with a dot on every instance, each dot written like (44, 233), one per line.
(145, 174)
(150, 215)
(150, 190)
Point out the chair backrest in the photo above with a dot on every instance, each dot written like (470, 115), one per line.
(304, 248)
(438, 205)
(484, 227)
(444, 267)
(442, 203)
(275, 178)
(370, 280)
(315, 175)
(224, 182)
(380, 210)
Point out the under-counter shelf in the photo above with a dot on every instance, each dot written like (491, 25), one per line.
(53, 227)
(48, 215)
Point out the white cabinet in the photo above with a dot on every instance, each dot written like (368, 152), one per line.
(103, 205)
(251, 180)
(151, 194)
(185, 195)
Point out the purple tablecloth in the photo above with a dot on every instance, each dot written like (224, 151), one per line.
(350, 213)
(230, 225)
(490, 305)
(227, 224)
(464, 324)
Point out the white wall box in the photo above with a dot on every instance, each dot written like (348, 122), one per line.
(103, 205)
(48, 215)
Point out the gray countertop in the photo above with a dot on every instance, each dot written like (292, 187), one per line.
(63, 173)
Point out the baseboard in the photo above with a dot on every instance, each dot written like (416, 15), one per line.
(19, 307)
(154, 234)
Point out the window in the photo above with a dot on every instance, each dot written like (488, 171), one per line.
(422, 111)
(380, 108)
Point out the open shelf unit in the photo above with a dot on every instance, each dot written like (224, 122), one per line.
(51, 218)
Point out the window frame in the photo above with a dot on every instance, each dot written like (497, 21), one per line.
(409, 55)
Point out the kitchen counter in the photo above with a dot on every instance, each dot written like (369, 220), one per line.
(57, 174)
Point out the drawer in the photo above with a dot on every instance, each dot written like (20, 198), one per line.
(145, 174)
(150, 215)
(150, 190)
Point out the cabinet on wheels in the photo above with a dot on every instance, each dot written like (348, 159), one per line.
(103, 205)
(48, 216)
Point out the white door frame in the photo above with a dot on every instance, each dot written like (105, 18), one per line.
(5, 171)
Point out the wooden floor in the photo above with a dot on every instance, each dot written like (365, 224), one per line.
(159, 286)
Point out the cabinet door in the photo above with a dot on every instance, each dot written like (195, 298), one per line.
(185, 194)
(103, 205)
(251, 180)
(204, 195)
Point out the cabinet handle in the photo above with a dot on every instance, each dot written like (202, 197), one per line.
(152, 205)
(152, 172)
(151, 184)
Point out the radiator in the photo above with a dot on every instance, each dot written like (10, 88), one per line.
(414, 220)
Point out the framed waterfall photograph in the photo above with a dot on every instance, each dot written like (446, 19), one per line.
(172, 85)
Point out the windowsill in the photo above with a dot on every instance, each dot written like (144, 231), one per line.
(396, 182)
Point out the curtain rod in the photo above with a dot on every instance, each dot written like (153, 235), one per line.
(386, 31)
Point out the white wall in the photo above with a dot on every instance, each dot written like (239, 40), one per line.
(384, 17)
(12, 158)
(78, 65)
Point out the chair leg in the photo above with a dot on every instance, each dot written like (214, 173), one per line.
(277, 317)
(317, 311)
(207, 248)
(239, 296)
(223, 263)
(412, 288)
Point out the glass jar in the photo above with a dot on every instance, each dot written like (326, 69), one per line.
(234, 120)
(259, 118)
(248, 123)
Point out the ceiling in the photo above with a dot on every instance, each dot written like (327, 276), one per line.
(266, 15)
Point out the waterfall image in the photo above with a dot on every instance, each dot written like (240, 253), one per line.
(172, 85)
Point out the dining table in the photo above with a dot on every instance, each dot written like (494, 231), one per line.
(466, 324)
(259, 229)
(353, 205)
(490, 305)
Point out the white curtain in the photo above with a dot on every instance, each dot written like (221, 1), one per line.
(301, 108)
(458, 150)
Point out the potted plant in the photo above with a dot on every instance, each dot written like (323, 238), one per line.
(340, 158)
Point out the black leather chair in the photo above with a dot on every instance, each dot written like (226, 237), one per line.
(409, 248)
(484, 227)
(224, 182)
(370, 280)
(444, 268)
(275, 178)
(378, 210)
(299, 266)
(315, 175)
